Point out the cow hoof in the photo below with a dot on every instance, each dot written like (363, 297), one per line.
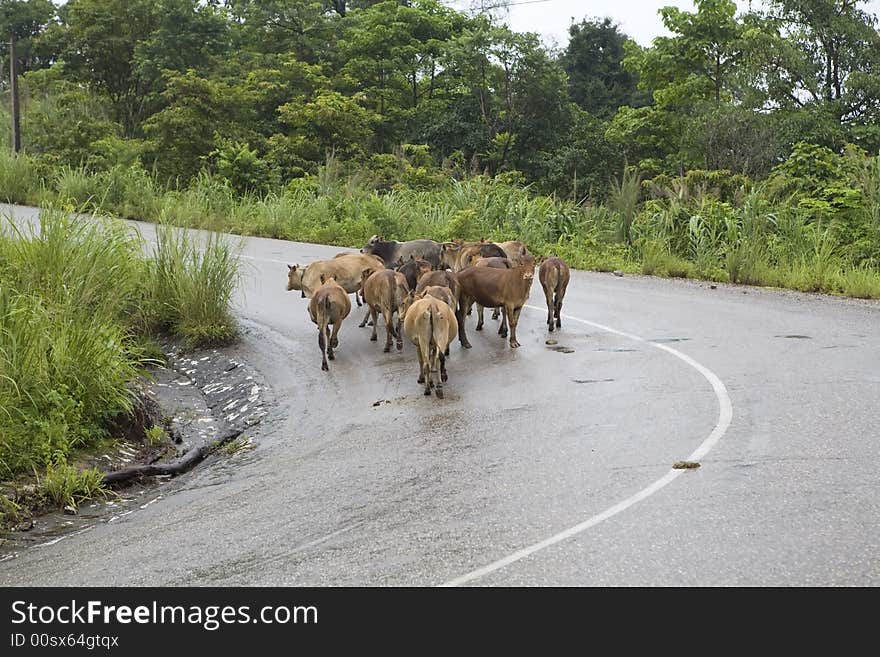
(324, 367)
(439, 392)
(387, 348)
(399, 346)
(550, 327)
(558, 324)
(331, 355)
(514, 344)
(427, 392)
(421, 379)
(444, 377)
(362, 325)
(373, 339)
(466, 345)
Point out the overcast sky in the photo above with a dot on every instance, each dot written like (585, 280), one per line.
(637, 18)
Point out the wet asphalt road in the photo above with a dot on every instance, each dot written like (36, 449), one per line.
(527, 444)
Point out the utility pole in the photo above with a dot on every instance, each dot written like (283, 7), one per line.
(13, 88)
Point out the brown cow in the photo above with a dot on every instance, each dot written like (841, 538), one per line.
(443, 277)
(490, 287)
(347, 269)
(384, 291)
(554, 275)
(329, 305)
(431, 326)
(499, 263)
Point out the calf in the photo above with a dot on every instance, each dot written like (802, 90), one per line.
(328, 305)
(384, 291)
(493, 288)
(431, 326)
(554, 275)
(391, 251)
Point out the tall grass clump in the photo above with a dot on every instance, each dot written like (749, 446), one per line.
(20, 180)
(77, 296)
(861, 283)
(191, 284)
(67, 357)
(623, 202)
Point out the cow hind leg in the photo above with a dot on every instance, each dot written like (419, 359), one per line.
(373, 317)
(322, 343)
(502, 329)
(334, 340)
(389, 330)
(479, 317)
(551, 308)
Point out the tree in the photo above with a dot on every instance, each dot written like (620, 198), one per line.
(198, 115)
(28, 20)
(702, 55)
(120, 46)
(597, 81)
(824, 54)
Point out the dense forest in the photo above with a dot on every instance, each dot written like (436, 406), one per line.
(742, 147)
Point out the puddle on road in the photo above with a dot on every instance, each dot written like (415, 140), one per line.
(794, 337)
(620, 350)
(592, 380)
(561, 349)
(661, 340)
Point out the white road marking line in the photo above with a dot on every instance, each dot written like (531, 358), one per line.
(725, 415)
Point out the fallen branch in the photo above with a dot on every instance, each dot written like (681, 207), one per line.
(173, 468)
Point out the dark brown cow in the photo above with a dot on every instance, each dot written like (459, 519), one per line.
(413, 269)
(328, 305)
(384, 292)
(493, 288)
(554, 275)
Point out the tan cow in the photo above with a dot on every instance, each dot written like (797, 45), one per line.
(329, 305)
(516, 251)
(431, 326)
(490, 287)
(346, 268)
(384, 292)
(554, 275)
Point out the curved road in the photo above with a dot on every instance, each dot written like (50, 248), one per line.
(541, 467)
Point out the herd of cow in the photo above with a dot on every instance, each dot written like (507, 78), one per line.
(431, 287)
